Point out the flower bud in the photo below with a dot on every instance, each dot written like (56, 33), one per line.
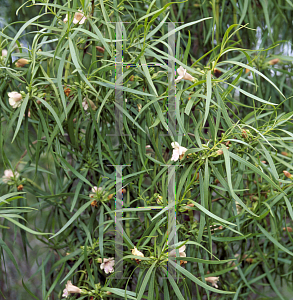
(21, 62)
(287, 174)
(110, 196)
(284, 153)
(159, 200)
(288, 228)
(244, 134)
(274, 61)
(220, 152)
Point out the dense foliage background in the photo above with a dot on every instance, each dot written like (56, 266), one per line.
(233, 199)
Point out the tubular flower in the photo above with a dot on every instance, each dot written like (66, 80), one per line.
(178, 151)
(15, 99)
(287, 174)
(8, 175)
(184, 75)
(213, 281)
(107, 265)
(137, 253)
(238, 207)
(86, 102)
(274, 61)
(21, 62)
(181, 254)
(70, 289)
(79, 17)
(95, 190)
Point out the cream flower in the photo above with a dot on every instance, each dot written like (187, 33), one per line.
(8, 175)
(108, 265)
(213, 281)
(238, 207)
(15, 99)
(21, 62)
(184, 75)
(137, 253)
(181, 254)
(4, 52)
(70, 289)
(85, 104)
(178, 151)
(78, 17)
(95, 189)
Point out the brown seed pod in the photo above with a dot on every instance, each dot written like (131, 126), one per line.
(94, 203)
(217, 72)
(67, 91)
(20, 187)
(100, 49)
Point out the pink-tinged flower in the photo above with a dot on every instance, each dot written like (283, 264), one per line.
(178, 151)
(79, 17)
(213, 281)
(21, 62)
(15, 99)
(8, 175)
(70, 289)
(4, 52)
(108, 265)
(181, 254)
(184, 75)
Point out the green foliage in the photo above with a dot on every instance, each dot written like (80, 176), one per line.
(233, 199)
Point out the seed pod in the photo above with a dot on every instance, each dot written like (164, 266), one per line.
(100, 49)
(217, 72)
(110, 196)
(94, 203)
(288, 228)
(67, 91)
(20, 187)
